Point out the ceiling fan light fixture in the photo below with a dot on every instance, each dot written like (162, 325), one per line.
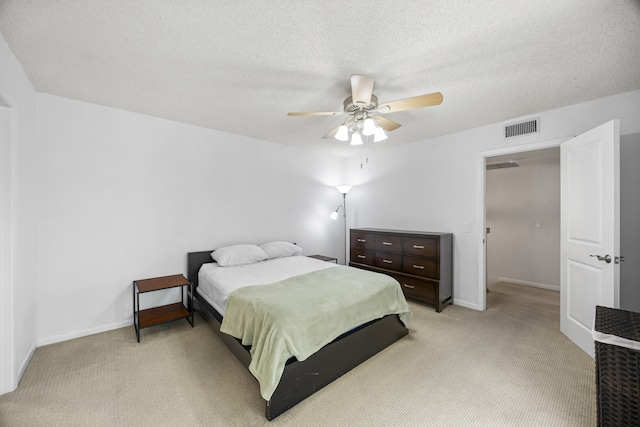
(356, 139)
(379, 135)
(343, 133)
(362, 110)
(369, 126)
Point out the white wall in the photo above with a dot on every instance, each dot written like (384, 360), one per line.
(630, 222)
(433, 185)
(123, 196)
(516, 200)
(17, 224)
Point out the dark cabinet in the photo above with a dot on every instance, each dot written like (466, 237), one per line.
(420, 261)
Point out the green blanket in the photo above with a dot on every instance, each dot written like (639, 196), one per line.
(300, 315)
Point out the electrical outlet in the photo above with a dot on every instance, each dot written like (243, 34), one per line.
(466, 227)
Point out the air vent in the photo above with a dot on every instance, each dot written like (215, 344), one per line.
(510, 164)
(522, 128)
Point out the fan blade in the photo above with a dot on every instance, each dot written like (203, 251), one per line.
(411, 103)
(361, 89)
(332, 133)
(386, 124)
(316, 113)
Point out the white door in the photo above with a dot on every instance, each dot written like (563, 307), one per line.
(590, 230)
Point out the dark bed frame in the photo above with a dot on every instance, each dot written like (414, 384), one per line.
(301, 379)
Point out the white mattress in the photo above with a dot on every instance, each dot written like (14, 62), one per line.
(215, 283)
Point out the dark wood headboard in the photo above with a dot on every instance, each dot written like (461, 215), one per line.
(194, 262)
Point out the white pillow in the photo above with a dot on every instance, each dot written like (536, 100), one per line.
(237, 255)
(280, 249)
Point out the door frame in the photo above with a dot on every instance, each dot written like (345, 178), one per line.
(8, 374)
(482, 214)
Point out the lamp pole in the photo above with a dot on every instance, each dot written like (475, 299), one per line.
(344, 189)
(344, 214)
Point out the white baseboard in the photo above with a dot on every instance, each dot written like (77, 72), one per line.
(84, 332)
(533, 284)
(465, 304)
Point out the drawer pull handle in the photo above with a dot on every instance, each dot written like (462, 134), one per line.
(418, 247)
(362, 256)
(419, 267)
(408, 286)
(362, 240)
(387, 261)
(387, 243)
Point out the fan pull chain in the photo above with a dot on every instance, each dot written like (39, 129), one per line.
(364, 154)
(367, 145)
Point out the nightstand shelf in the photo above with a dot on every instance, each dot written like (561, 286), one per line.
(165, 313)
(324, 258)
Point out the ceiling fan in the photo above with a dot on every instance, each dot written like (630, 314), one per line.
(363, 109)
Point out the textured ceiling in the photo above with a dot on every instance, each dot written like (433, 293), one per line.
(240, 66)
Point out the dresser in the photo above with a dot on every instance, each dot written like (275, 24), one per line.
(420, 261)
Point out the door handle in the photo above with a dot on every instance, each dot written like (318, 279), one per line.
(606, 258)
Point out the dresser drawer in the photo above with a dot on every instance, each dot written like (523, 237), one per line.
(388, 261)
(361, 240)
(424, 267)
(387, 243)
(362, 256)
(418, 246)
(423, 290)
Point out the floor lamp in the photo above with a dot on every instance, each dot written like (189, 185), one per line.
(344, 189)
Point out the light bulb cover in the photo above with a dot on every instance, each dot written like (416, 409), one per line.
(356, 139)
(379, 135)
(369, 126)
(334, 215)
(343, 133)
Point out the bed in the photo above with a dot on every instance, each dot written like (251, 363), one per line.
(299, 379)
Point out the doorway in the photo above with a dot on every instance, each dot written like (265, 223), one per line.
(522, 214)
(482, 164)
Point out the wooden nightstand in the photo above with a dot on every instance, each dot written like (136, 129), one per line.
(324, 258)
(166, 313)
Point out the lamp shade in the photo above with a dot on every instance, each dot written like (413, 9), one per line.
(334, 215)
(344, 189)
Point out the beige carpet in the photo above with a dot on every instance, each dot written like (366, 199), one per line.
(506, 366)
